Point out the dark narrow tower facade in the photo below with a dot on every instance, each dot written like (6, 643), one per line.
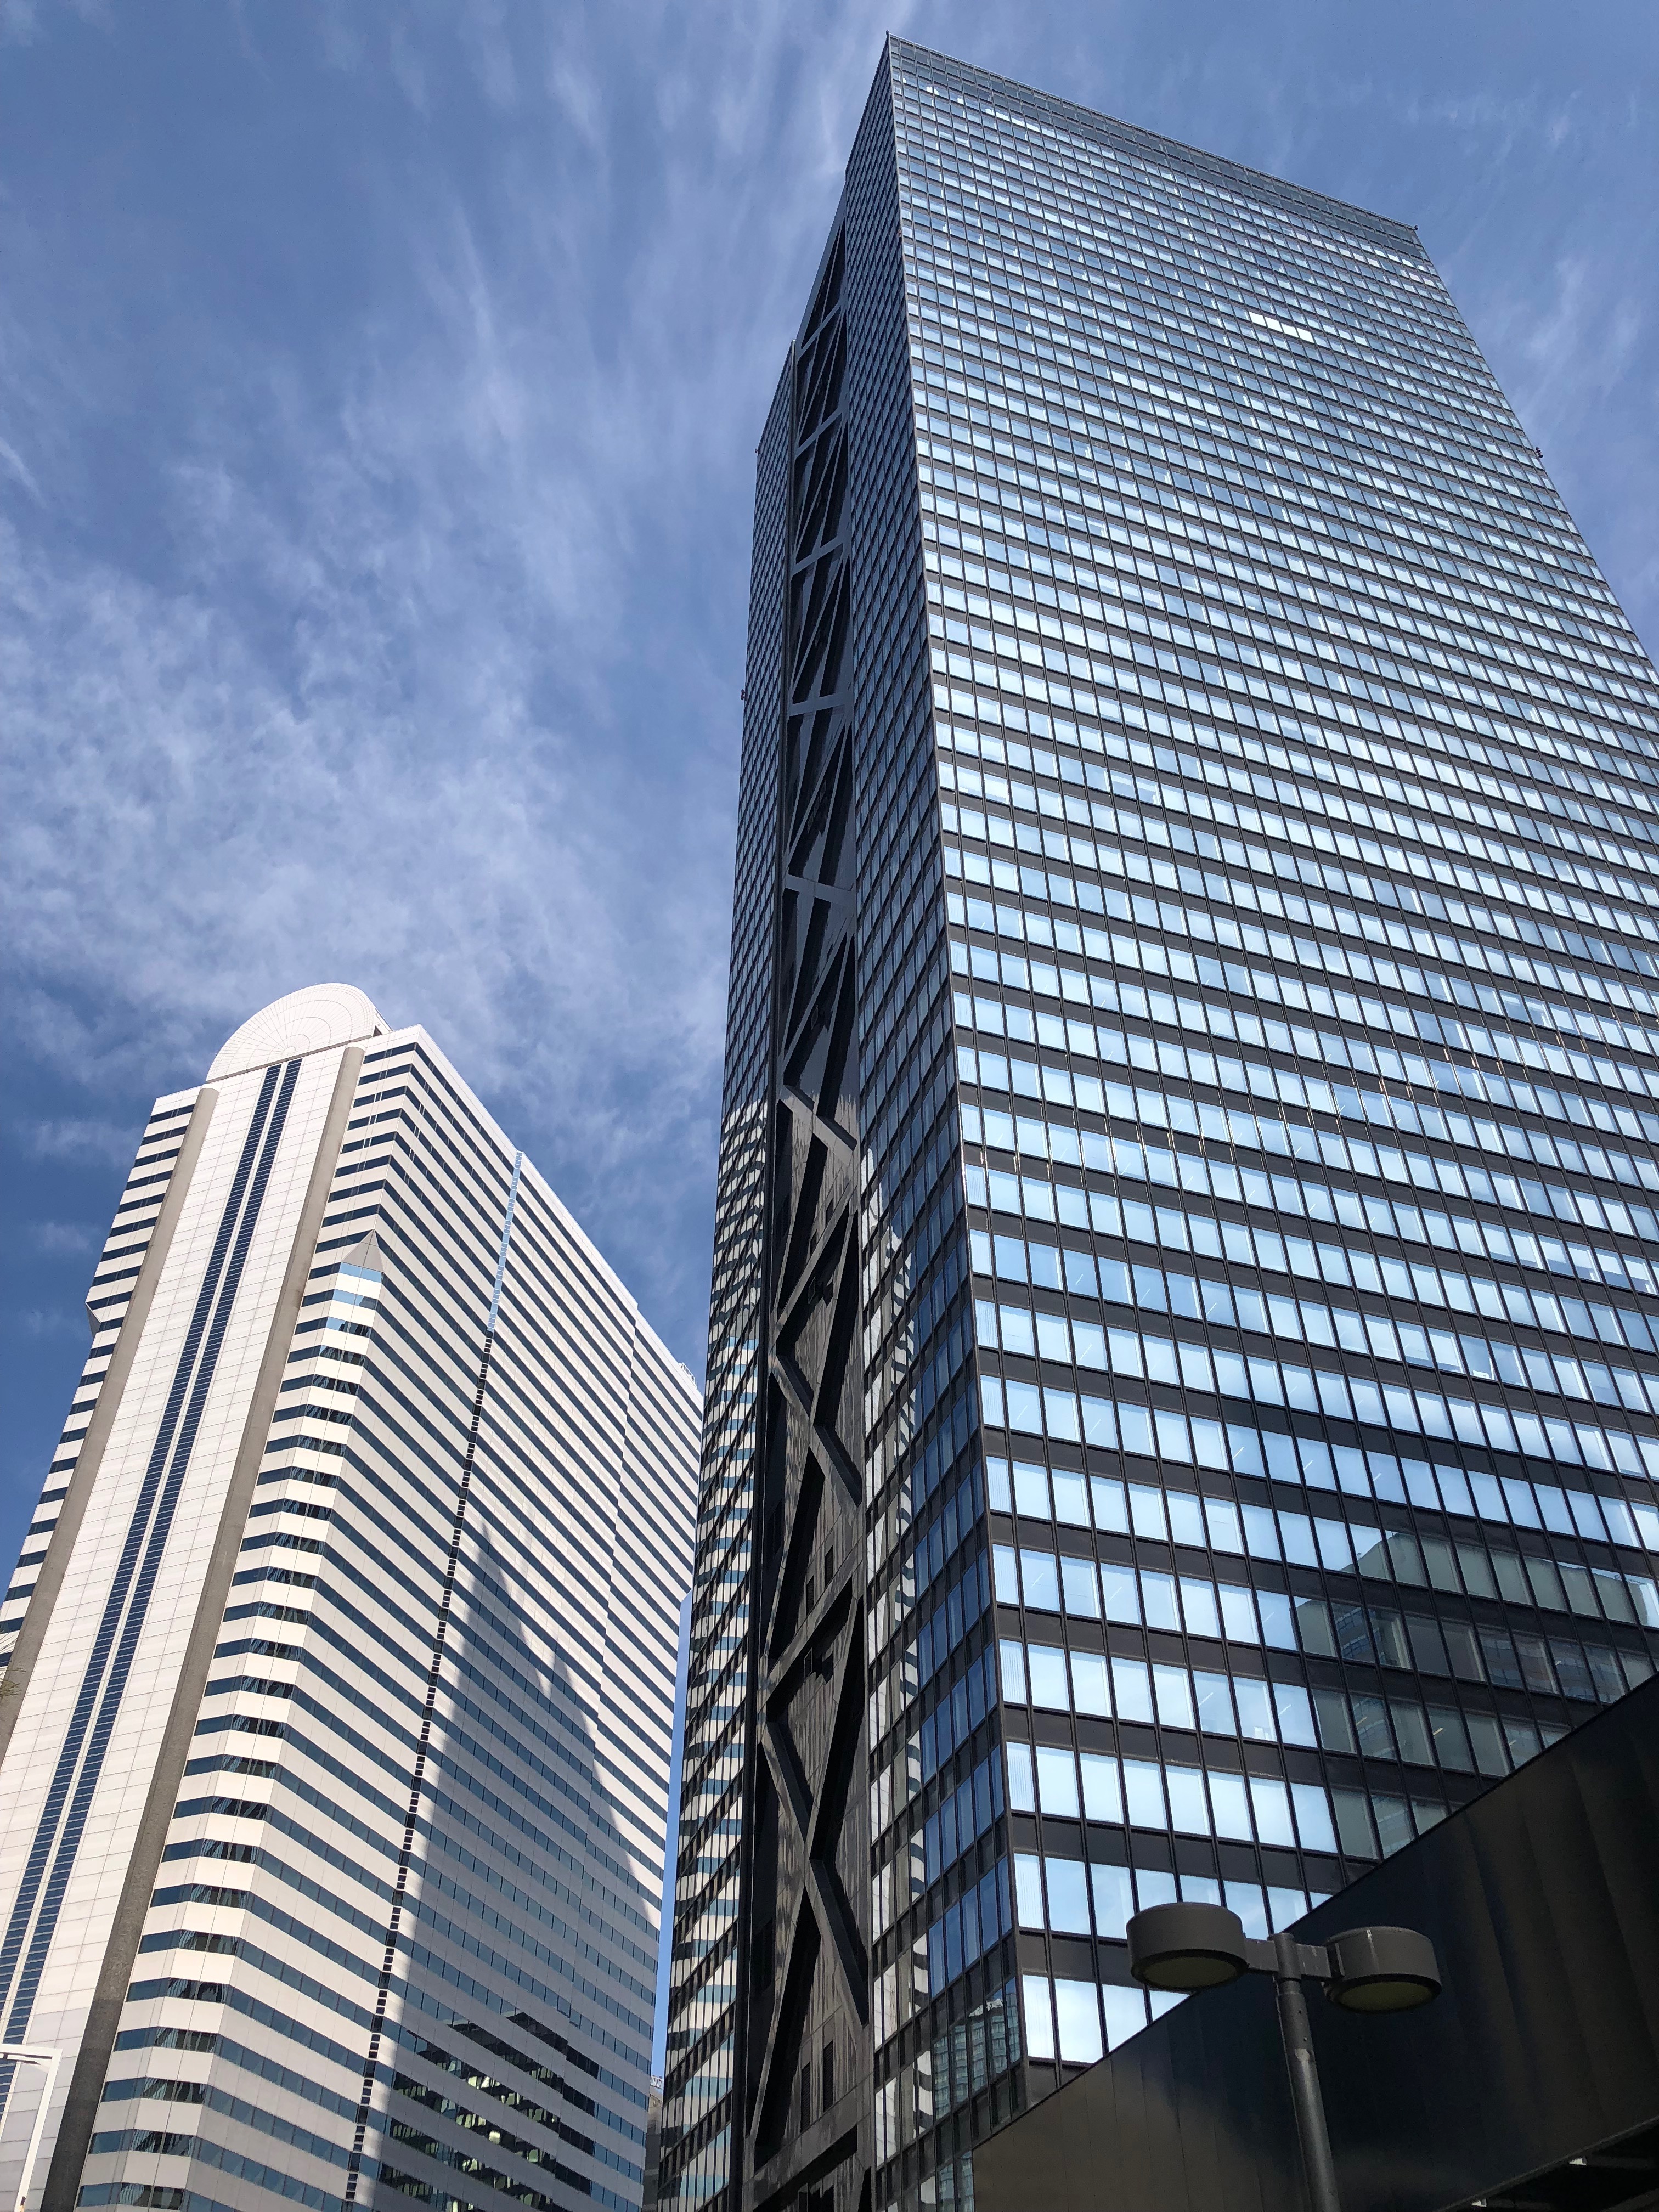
(1183, 1391)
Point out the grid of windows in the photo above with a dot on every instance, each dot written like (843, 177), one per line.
(115, 1280)
(1259, 1076)
(1296, 793)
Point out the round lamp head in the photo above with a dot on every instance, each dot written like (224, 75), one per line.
(1383, 1970)
(1187, 1946)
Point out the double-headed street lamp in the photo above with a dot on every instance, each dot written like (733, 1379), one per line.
(1183, 1948)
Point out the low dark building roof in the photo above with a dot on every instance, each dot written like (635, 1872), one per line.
(1533, 2082)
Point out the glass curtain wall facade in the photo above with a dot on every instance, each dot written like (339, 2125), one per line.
(340, 1694)
(1253, 1088)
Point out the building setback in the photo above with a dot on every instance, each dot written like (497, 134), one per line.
(339, 1697)
(1182, 1382)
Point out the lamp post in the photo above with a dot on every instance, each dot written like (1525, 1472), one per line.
(1185, 1948)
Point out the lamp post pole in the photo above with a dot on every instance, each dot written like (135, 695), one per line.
(1295, 2029)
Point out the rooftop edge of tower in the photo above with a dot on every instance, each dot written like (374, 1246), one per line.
(1130, 137)
(321, 1016)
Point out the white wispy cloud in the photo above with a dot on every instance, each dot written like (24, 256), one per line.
(373, 592)
(81, 1143)
(63, 1236)
(63, 1332)
(434, 690)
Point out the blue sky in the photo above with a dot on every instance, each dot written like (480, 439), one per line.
(378, 395)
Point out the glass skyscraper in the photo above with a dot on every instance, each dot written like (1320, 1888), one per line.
(339, 1667)
(1183, 1400)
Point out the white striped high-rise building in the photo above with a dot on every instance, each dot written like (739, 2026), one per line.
(339, 1666)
